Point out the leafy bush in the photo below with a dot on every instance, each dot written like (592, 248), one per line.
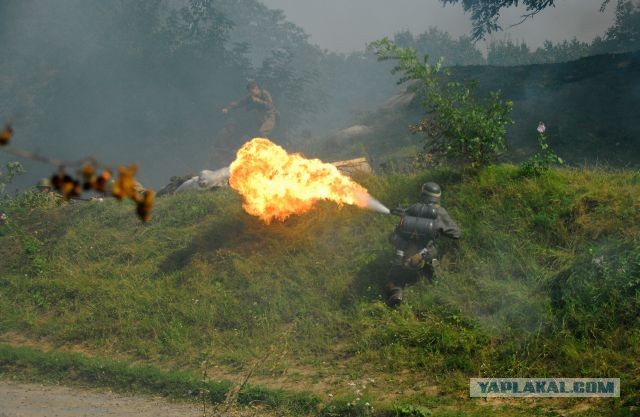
(457, 125)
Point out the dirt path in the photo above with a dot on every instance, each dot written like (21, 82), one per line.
(32, 400)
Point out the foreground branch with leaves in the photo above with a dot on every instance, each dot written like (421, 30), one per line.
(88, 178)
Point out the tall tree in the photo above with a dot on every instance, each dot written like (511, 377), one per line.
(624, 35)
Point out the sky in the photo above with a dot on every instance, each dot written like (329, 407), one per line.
(348, 25)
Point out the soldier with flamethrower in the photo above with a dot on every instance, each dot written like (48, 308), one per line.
(414, 240)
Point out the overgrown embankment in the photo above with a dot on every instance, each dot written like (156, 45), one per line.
(545, 282)
(590, 106)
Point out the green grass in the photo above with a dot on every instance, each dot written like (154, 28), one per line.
(56, 367)
(545, 282)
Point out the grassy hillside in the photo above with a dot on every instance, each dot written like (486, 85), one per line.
(545, 282)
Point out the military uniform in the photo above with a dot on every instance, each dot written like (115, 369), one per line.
(414, 241)
(263, 105)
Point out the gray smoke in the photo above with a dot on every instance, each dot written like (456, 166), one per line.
(375, 205)
(355, 23)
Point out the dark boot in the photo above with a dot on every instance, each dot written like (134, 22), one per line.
(395, 297)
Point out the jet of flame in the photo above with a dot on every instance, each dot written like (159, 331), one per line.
(275, 184)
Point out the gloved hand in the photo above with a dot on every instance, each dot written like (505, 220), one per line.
(415, 262)
(429, 257)
(398, 211)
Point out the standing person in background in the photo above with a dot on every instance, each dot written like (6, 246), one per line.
(258, 100)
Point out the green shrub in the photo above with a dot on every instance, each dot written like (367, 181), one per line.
(457, 124)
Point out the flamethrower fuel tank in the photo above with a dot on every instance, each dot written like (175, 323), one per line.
(418, 229)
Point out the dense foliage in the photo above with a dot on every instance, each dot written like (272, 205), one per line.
(622, 36)
(147, 79)
(439, 44)
(457, 125)
(507, 52)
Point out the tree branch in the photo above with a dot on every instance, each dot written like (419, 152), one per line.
(34, 156)
(525, 17)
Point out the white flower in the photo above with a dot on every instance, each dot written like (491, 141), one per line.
(541, 128)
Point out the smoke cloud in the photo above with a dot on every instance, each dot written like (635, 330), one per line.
(357, 22)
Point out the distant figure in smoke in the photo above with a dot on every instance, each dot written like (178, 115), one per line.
(45, 186)
(258, 100)
(414, 240)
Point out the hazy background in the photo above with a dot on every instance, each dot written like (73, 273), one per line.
(347, 25)
(145, 81)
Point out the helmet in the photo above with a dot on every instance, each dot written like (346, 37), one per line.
(431, 192)
(44, 183)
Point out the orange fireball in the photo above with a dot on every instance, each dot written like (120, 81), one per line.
(275, 184)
